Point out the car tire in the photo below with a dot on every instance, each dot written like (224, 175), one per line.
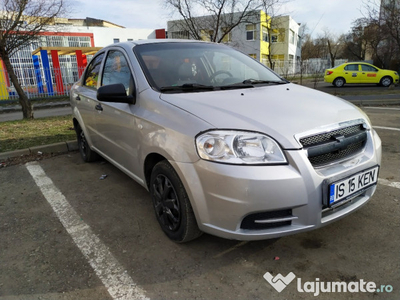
(171, 204)
(339, 82)
(386, 81)
(87, 154)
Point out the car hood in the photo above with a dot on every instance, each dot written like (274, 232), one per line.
(280, 111)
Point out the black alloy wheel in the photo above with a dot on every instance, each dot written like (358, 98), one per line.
(166, 203)
(171, 204)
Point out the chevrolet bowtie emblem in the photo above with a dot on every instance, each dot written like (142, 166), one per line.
(338, 138)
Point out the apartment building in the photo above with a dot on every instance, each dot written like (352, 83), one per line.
(259, 37)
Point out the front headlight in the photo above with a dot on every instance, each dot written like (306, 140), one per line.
(239, 147)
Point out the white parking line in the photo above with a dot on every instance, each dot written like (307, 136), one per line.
(118, 283)
(389, 108)
(389, 183)
(387, 128)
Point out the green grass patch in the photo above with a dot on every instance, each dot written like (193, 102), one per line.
(16, 135)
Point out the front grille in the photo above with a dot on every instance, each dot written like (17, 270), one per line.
(324, 137)
(250, 221)
(336, 145)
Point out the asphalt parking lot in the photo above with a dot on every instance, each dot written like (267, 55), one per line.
(67, 234)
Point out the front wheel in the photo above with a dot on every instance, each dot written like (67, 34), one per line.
(171, 204)
(339, 82)
(386, 81)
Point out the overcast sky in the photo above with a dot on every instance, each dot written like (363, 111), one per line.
(337, 15)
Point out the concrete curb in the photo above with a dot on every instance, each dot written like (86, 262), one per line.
(56, 148)
(17, 108)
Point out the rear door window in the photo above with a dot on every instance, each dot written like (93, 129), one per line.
(353, 67)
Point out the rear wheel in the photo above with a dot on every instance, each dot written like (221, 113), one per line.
(171, 204)
(386, 81)
(339, 82)
(86, 153)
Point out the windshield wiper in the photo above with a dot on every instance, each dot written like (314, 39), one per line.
(254, 81)
(187, 87)
(239, 85)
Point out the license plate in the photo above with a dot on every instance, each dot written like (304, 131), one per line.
(346, 188)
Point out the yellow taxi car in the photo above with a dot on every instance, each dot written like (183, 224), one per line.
(360, 72)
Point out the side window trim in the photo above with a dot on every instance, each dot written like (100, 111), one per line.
(85, 74)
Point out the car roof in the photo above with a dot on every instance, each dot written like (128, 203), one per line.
(131, 44)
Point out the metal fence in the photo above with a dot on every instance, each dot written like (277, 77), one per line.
(39, 83)
(311, 67)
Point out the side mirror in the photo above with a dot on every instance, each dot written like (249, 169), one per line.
(114, 93)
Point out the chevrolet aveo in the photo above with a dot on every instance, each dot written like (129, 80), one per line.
(223, 144)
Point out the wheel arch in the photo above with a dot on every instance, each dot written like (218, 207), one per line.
(386, 76)
(151, 160)
(339, 77)
(77, 122)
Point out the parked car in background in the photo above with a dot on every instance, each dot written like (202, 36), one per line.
(224, 145)
(360, 72)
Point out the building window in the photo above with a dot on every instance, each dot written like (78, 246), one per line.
(278, 60)
(207, 35)
(264, 59)
(291, 36)
(228, 36)
(116, 41)
(278, 35)
(180, 35)
(265, 34)
(250, 32)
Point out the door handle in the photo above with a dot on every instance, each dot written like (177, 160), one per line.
(98, 107)
(78, 98)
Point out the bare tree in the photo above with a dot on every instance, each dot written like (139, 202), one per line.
(382, 33)
(20, 23)
(271, 8)
(334, 45)
(355, 44)
(221, 16)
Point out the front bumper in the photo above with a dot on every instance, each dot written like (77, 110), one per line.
(288, 198)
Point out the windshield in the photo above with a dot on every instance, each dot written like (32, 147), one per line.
(185, 67)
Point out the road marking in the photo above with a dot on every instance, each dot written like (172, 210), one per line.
(118, 283)
(387, 128)
(389, 183)
(374, 107)
(230, 249)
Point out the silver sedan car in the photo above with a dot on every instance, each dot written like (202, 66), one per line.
(224, 145)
